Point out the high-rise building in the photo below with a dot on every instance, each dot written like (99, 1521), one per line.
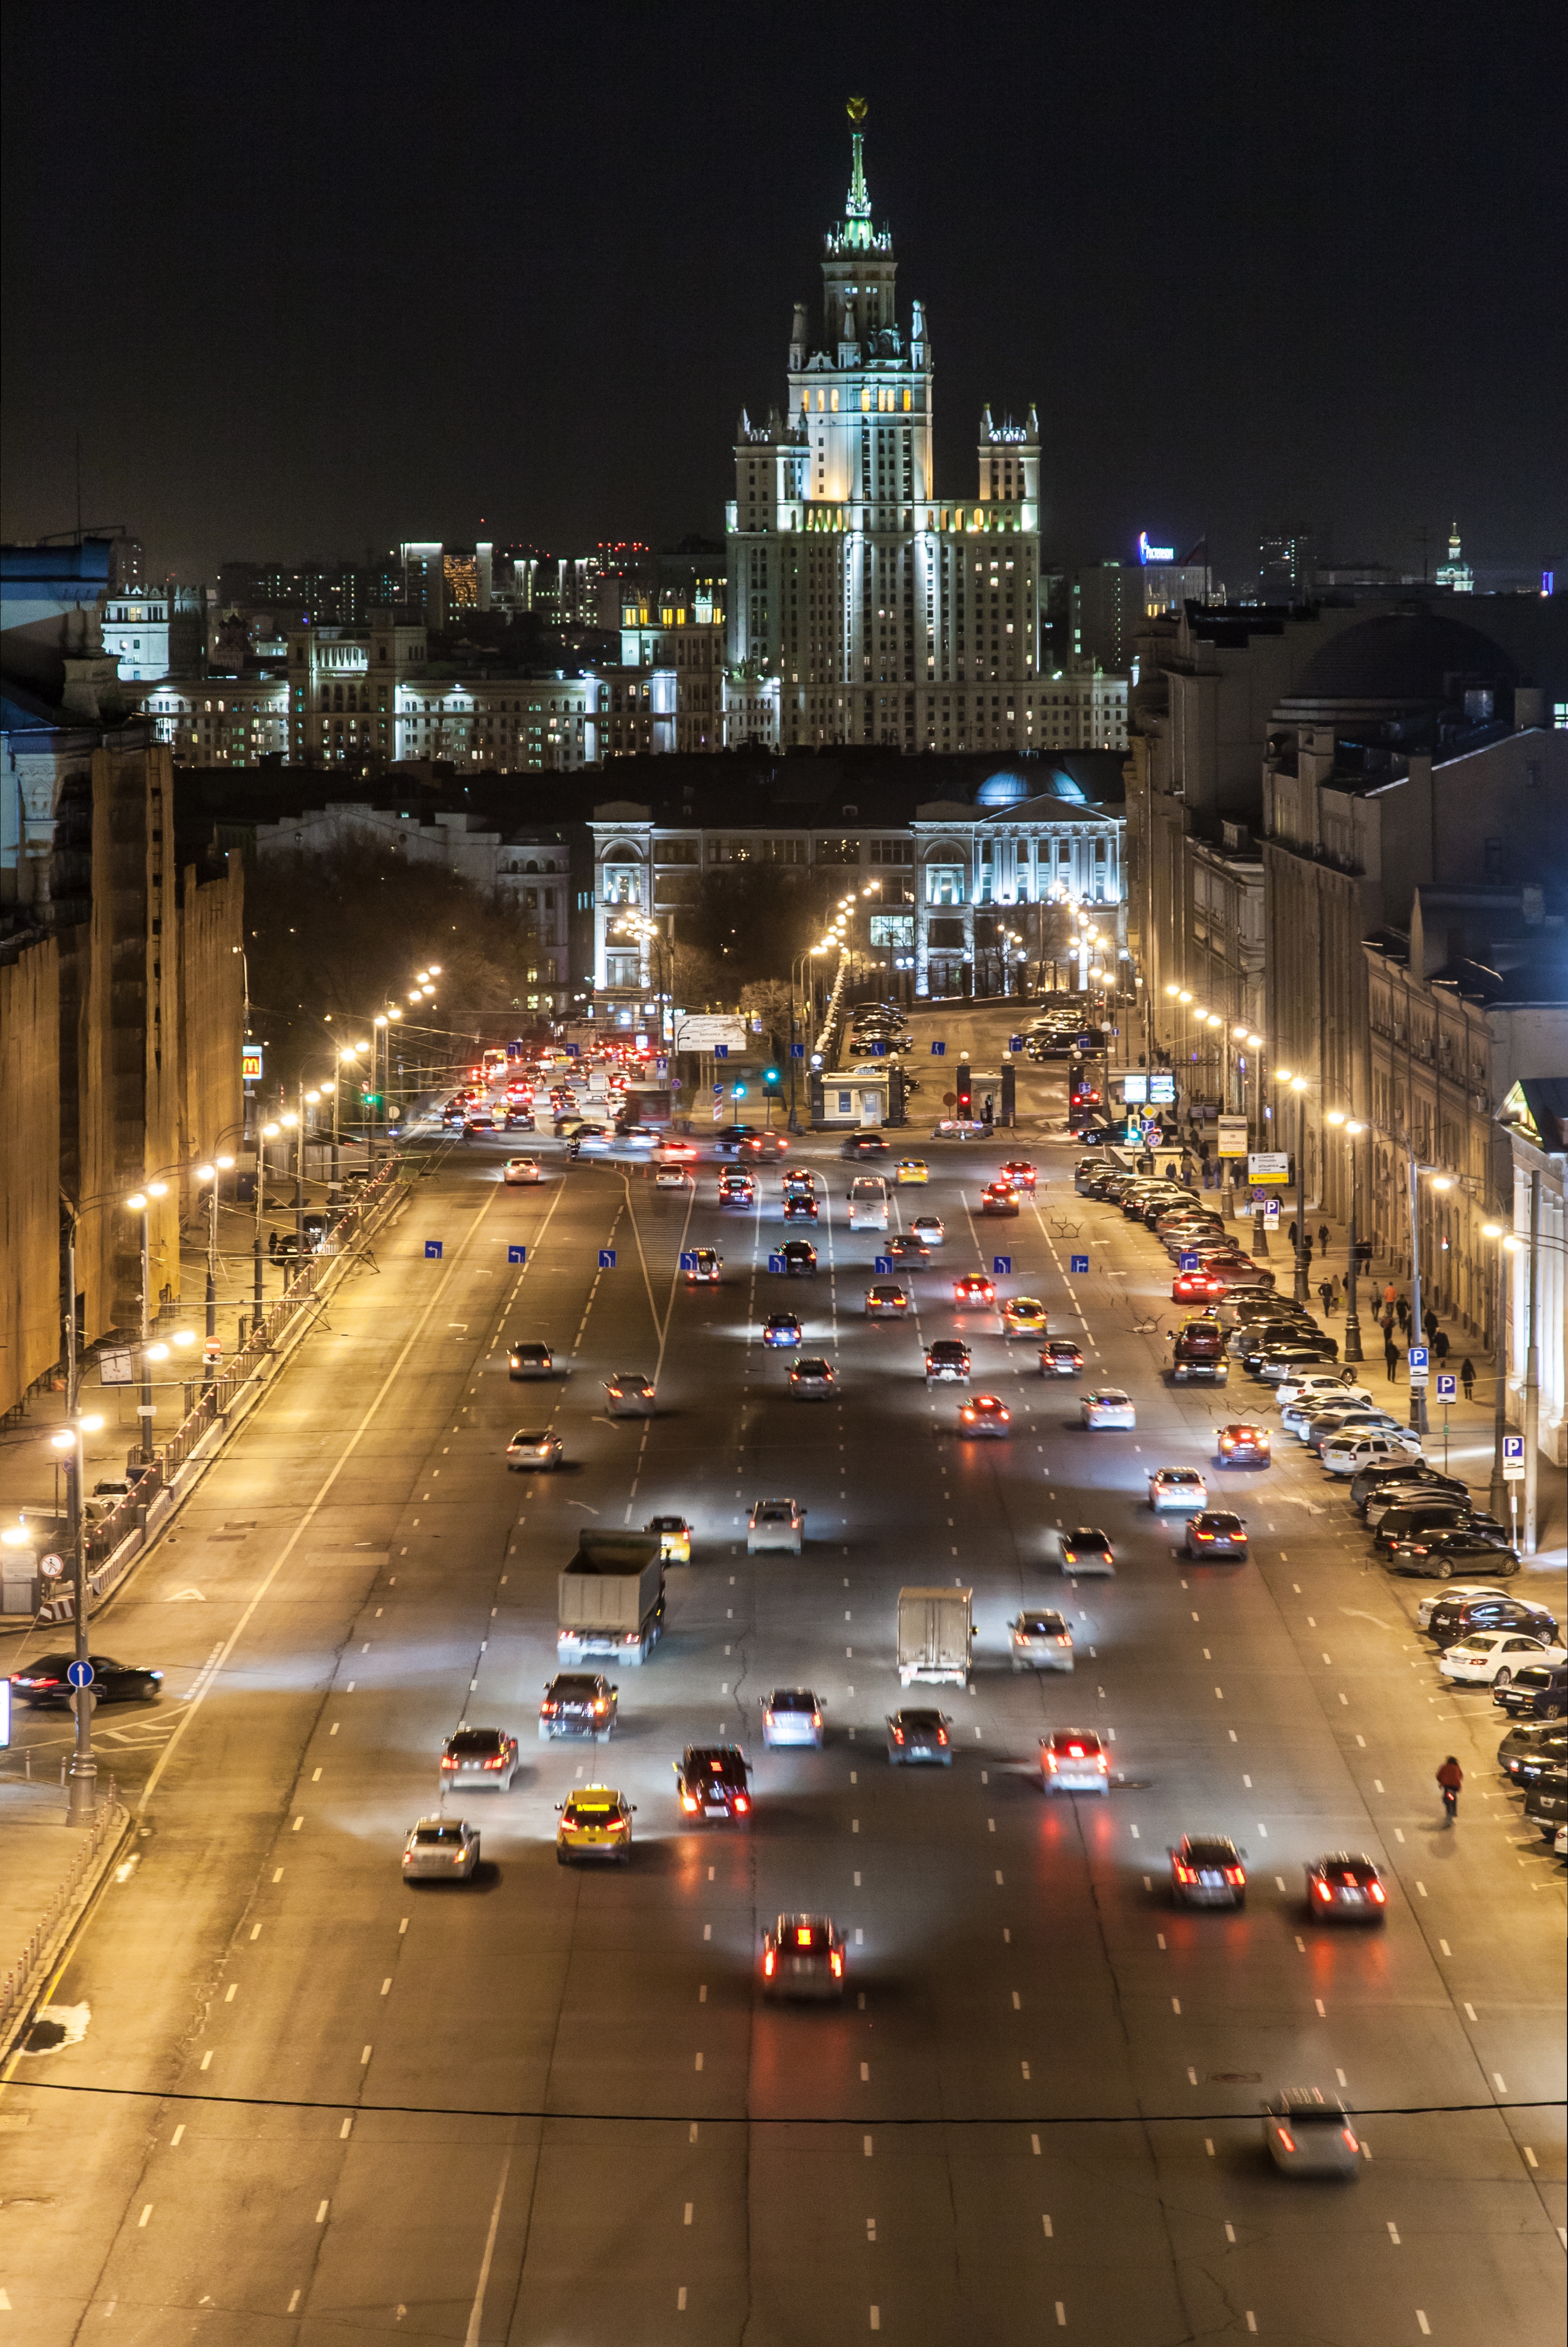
(1456, 574)
(1286, 562)
(885, 613)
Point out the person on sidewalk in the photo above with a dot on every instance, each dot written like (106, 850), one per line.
(1429, 1323)
(1325, 1290)
(1322, 1238)
(1467, 1378)
(1306, 1250)
(1450, 1777)
(1402, 1312)
(1440, 1346)
(1389, 1295)
(1292, 1240)
(1333, 1293)
(1390, 1356)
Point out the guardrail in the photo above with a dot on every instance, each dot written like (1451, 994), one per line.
(16, 1985)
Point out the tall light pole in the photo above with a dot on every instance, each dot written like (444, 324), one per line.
(1352, 1131)
(1507, 1245)
(1532, 1428)
(140, 1203)
(1297, 1085)
(82, 1776)
(211, 1174)
(264, 1134)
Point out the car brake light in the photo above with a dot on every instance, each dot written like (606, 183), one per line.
(837, 1960)
(816, 1720)
(1103, 1764)
(741, 1802)
(1378, 1892)
(1323, 1890)
(1051, 1760)
(1348, 2139)
(1235, 1874)
(803, 1935)
(1184, 1873)
(1286, 2138)
(1075, 1751)
(768, 1961)
(942, 1736)
(897, 1735)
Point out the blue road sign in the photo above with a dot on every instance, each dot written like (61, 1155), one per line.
(879, 1048)
(721, 1050)
(432, 1250)
(1016, 1042)
(661, 1067)
(938, 1051)
(79, 1673)
(1416, 1360)
(776, 1263)
(797, 1050)
(1447, 1385)
(1080, 1262)
(1186, 1262)
(1513, 1458)
(573, 1050)
(688, 1258)
(1001, 1265)
(883, 1265)
(606, 1258)
(516, 1254)
(719, 1091)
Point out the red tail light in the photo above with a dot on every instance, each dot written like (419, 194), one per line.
(897, 1735)
(1286, 2138)
(1378, 1892)
(1184, 1873)
(768, 1962)
(837, 1960)
(1348, 2139)
(689, 1802)
(942, 1736)
(741, 1803)
(1075, 1752)
(1104, 1765)
(1235, 1874)
(803, 1935)
(1051, 1761)
(1323, 1890)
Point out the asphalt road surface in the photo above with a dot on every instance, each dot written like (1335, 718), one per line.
(312, 2102)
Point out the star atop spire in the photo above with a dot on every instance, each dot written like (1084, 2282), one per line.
(858, 206)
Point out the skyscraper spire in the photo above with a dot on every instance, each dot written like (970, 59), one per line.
(859, 204)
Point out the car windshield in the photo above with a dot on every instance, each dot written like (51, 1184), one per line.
(812, 1368)
(1178, 1475)
(438, 1833)
(1085, 1538)
(667, 1524)
(1041, 1625)
(773, 1512)
(1216, 1522)
(574, 1688)
(1352, 1871)
(1075, 1744)
(589, 1813)
(474, 1739)
(926, 1721)
(791, 1699)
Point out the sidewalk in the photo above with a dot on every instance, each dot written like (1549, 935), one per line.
(50, 1871)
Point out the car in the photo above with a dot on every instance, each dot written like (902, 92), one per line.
(522, 1170)
(1020, 1173)
(43, 1684)
(731, 1139)
(1546, 1803)
(1253, 1336)
(1242, 1445)
(912, 1170)
(999, 1198)
(480, 1119)
(1074, 1761)
(1197, 1287)
(1458, 1613)
(811, 1378)
(775, 1524)
(1345, 1886)
(973, 1288)
(792, 1716)
(798, 1209)
(479, 1756)
(864, 1144)
(1300, 1401)
(1178, 1487)
(1025, 1315)
(1087, 1171)
(1537, 1691)
(673, 1537)
(1376, 1490)
(782, 1329)
(636, 1136)
(579, 1702)
(1446, 1553)
(629, 1394)
(803, 1956)
(799, 1182)
(1411, 1519)
(1108, 1406)
(1308, 2132)
(542, 1450)
(1529, 1746)
(800, 1259)
(1349, 1450)
(1279, 1362)
(1356, 1422)
(441, 1850)
(595, 1822)
(1084, 1549)
(705, 1267)
(1208, 1870)
(916, 1736)
(984, 1414)
(1216, 1532)
(909, 1254)
(946, 1362)
(1040, 1640)
(1336, 1386)
(671, 1177)
(586, 1140)
(676, 1152)
(1485, 1657)
(930, 1229)
(712, 1781)
(1060, 1359)
(737, 1190)
(887, 1301)
(531, 1361)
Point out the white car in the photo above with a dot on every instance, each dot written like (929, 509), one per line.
(776, 1524)
(522, 1169)
(1040, 1640)
(928, 1228)
(441, 1850)
(1178, 1487)
(1299, 1405)
(1332, 1389)
(1109, 1407)
(1491, 1657)
(1347, 1454)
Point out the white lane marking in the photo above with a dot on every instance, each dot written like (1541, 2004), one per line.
(476, 2312)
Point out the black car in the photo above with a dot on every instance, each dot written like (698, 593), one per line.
(1539, 1691)
(1442, 1554)
(732, 1139)
(579, 1702)
(1417, 1519)
(947, 1362)
(1525, 1740)
(1456, 1618)
(909, 1254)
(712, 1781)
(1546, 1802)
(799, 1209)
(800, 1259)
(1368, 1481)
(865, 1145)
(44, 1681)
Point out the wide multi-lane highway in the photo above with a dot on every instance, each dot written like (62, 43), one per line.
(299, 2100)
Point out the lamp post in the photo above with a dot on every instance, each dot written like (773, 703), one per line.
(1507, 1245)
(1532, 1428)
(264, 1134)
(1352, 1131)
(1297, 1085)
(82, 1776)
(140, 1203)
(211, 1174)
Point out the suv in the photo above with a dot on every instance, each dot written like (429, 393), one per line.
(532, 1361)
(1456, 1618)
(947, 1362)
(711, 1781)
(579, 1702)
(803, 1956)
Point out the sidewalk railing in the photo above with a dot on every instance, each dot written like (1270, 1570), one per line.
(17, 1987)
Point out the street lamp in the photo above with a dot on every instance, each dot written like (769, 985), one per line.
(82, 1776)
(1352, 1131)
(211, 1174)
(1297, 1085)
(140, 1203)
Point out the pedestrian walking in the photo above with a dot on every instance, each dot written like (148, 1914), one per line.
(1389, 1294)
(1392, 1360)
(1386, 1319)
(1322, 1238)
(1333, 1293)
(1325, 1290)
(1402, 1312)
(1467, 1378)
(1306, 1251)
(1440, 1346)
(1292, 1239)
(1429, 1323)
(1450, 1777)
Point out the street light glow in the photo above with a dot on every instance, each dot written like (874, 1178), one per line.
(137, 1202)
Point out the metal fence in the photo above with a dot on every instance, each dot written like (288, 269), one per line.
(17, 1987)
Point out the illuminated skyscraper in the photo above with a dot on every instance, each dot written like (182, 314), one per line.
(885, 612)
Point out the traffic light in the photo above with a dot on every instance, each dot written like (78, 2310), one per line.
(965, 1090)
(772, 1080)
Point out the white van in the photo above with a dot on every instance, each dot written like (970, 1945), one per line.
(868, 1203)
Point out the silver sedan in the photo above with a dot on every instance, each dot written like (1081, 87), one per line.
(441, 1850)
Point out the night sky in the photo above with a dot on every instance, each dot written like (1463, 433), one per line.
(308, 279)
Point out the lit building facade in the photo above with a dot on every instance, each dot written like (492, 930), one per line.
(884, 612)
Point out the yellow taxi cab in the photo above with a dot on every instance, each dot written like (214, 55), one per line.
(673, 1537)
(913, 1169)
(1023, 1315)
(595, 1822)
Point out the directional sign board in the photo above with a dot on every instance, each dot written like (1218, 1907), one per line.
(1513, 1458)
(606, 1258)
(1416, 1361)
(721, 1050)
(1268, 1165)
(688, 1258)
(879, 1048)
(1001, 1265)
(516, 1254)
(432, 1250)
(1447, 1385)
(1079, 1263)
(79, 1673)
(883, 1266)
(938, 1051)
(777, 1263)
(1187, 1263)
(1162, 1088)
(797, 1050)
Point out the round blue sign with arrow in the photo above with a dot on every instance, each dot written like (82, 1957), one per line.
(79, 1673)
